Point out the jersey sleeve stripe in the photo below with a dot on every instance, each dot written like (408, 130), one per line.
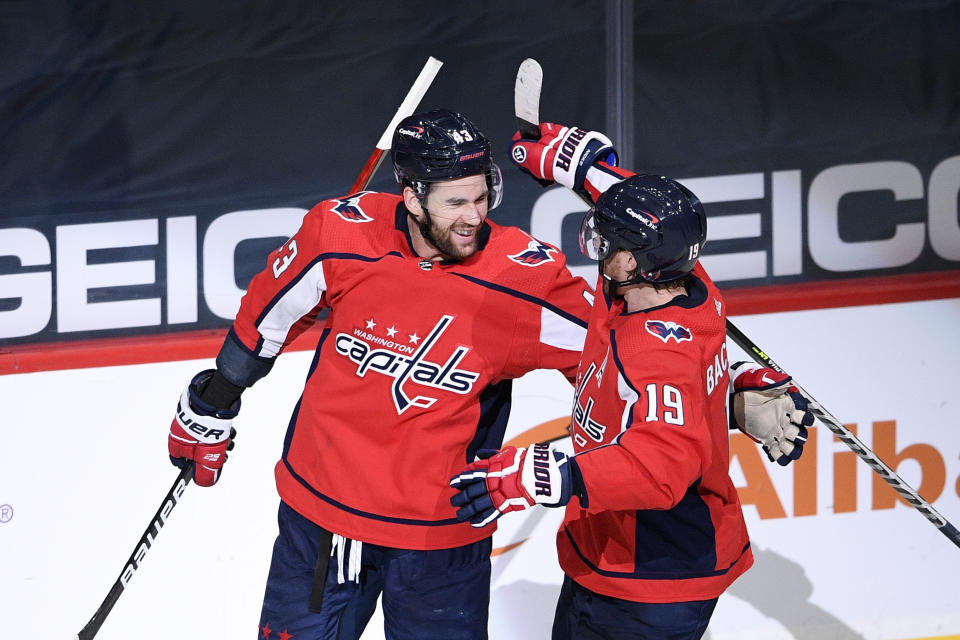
(558, 331)
(525, 296)
(296, 300)
(306, 270)
(626, 389)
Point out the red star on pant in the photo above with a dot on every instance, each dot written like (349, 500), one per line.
(285, 635)
(266, 630)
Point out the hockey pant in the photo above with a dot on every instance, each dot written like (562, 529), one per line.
(585, 615)
(442, 594)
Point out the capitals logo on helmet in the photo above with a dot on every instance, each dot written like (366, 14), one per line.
(669, 330)
(349, 208)
(535, 254)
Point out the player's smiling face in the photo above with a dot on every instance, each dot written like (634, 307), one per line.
(455, 211)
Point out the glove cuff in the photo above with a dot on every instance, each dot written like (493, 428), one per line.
(753, 377)
(196, 390)
(546, 475)
(577, 152)
(199, 420)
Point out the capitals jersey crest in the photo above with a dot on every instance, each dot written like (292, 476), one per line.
(349, 208)
(534, 255)
(668, 330)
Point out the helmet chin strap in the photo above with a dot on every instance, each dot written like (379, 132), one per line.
(613, 285)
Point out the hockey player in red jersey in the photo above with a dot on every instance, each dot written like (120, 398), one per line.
(434, 309)
(653, 531)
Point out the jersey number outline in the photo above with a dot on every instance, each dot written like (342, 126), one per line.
(282, 262)
(672, 401)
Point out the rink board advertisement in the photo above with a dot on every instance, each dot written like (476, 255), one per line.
(153, 154)
(837, 557)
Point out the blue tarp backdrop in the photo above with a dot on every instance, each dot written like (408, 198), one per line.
(824, 137)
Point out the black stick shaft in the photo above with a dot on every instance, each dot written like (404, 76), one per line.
(139, 552)
(846, 436)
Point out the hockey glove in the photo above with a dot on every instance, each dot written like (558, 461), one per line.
(201, 433)
(769, 410)
(512, 480)
(562, 154)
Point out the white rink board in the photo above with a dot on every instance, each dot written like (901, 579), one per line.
(83, 465)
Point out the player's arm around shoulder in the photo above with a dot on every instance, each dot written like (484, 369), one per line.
(555, 304)
(535, 266)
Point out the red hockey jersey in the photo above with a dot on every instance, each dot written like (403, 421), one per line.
(663, 521)
(412, 371)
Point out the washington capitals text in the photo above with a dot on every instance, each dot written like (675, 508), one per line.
(411, 367)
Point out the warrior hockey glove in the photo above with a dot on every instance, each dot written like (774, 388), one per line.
(513, 480)
(562, 154)
(201, 433)
(770, 411)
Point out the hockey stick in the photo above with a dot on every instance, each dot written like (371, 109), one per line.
(139, 552)
(409, 104)
(414, 96)
(526, 100)
(907, 492)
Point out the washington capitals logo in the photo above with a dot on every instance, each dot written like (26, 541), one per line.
(405, 364)
(667, 330)
(535, 254)
(349, 209)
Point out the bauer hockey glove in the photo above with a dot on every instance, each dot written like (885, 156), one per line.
(513, 480)
(201, 433)
(769, 410)
(562, 154)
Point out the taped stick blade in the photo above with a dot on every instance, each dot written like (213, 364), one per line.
(526, 98)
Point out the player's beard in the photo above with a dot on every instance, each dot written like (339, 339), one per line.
(442, 239)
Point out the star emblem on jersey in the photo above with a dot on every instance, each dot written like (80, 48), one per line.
(406, 364)
(534, 255)
(349, 208)
(667, 331)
